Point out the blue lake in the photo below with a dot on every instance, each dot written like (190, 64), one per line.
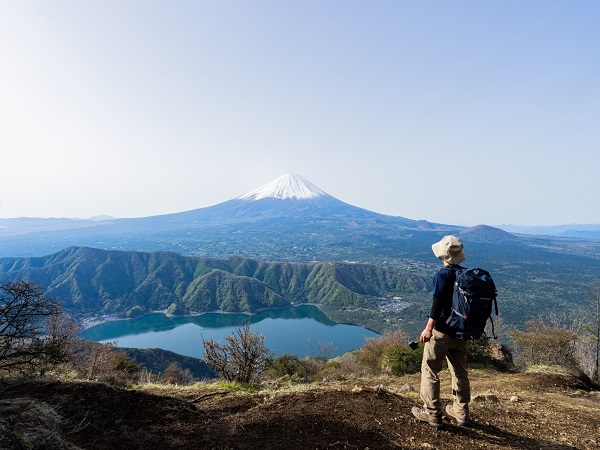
(297, 330)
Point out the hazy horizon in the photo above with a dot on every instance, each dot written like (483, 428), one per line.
(462, 113)
(260, 192)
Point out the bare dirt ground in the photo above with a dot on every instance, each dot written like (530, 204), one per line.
(516, 410)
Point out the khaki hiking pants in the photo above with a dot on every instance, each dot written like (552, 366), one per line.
(442, 346)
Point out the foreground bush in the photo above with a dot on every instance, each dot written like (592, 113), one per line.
(390, 354)
(175, 374)
(243, 358)
(400, 359)
(34, 333)
(545, 344)
(293, 367)
(100, 362)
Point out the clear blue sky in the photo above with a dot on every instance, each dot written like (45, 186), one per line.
(461, 112)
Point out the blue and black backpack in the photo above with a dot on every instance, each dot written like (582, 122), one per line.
(472, 302)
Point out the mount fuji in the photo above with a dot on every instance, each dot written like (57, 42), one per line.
(289, 197)
(288, 218)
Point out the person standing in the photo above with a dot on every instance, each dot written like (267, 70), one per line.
(440, 344)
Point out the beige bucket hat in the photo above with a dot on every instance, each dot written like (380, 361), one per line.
(449, 249)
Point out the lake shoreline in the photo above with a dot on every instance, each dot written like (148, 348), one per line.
(94, 321)
(297, 329)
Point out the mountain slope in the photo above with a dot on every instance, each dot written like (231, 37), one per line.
(485, 233)
(94, 282)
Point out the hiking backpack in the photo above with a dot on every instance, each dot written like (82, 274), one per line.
(472, 300)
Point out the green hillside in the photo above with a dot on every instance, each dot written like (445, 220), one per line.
(93, 282)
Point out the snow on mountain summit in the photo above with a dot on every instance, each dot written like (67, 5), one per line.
(290, 186)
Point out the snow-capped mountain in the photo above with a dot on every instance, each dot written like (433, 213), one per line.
(288, 197)
(285, 187)
(284, 212)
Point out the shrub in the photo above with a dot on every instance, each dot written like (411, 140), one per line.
(543, 344)
(342, 369)
(34, 332)
(400, 359)
(242, 359)
(101, 362)
(587, 347)
(174, 374)
(376, 352)
(478, 351)
(285, 365)
(292, 366)
(336, 371)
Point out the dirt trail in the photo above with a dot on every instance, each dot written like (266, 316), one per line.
(519, 411)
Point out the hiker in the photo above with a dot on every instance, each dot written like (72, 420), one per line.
(440, 344)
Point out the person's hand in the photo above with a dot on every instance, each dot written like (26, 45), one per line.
(426, 335)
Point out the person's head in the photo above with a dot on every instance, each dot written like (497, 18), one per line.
(449, 250)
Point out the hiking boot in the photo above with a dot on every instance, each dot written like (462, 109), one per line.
(423, 414)
(451, 413)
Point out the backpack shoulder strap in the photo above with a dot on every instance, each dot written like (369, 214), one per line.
(453, 269)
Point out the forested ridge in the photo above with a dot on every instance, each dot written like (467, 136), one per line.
(92, 281)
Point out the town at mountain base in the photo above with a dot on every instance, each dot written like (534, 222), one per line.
(509, 410)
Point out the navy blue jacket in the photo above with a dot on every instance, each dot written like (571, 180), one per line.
(443, 287)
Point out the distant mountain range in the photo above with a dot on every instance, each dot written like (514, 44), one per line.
(589, 231)
(287, 198)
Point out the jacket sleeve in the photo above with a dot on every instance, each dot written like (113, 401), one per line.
(440, 280)
(436, 308)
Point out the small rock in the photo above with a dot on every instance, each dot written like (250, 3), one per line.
(515, 398)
